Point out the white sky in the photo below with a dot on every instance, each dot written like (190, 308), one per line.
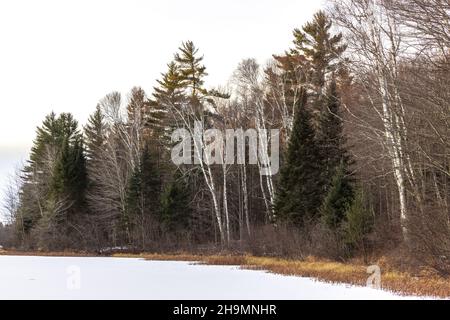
(66, 55)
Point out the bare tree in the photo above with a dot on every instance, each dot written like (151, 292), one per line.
(376, 45)
(11, 200)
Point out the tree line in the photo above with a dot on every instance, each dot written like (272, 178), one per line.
(361, 100)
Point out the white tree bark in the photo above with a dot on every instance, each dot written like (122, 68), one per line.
(185, 114)
(375, 46)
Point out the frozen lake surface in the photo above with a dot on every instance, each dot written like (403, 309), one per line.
(123, 278)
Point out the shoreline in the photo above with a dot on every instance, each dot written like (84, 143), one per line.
(398, 282)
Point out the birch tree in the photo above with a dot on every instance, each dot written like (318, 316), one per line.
(376, 46)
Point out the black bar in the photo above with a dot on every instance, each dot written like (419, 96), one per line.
(222, 309)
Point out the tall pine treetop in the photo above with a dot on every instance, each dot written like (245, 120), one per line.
(170, 87)
(323, 50)
(190, 67)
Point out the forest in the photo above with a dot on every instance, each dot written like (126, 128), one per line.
(361, 99)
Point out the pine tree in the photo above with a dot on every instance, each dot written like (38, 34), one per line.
(300, 191)
(317, 53)
(191, 73)
(316, 56)
(190, 68)
(170, 89)
(168, 96)
(319, 47)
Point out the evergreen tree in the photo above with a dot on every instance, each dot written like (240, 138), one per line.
(300, 191)
(358, 223)
(337, 200)
(96, 138)
(143, 192)
(191, 73)
(151, 180)
(167, 96)
(95, 134)
(331, 139)
(137, 108)
(175, 205)
(69, 177)
(134, 205)
(55, 171)
(170, 89)
(190, 68)
(316, 56)
(36, 185)
(319, 47)
(50, 138)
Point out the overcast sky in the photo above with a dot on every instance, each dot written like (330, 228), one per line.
(66, 55)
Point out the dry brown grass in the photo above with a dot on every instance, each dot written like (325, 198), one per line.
(46, 253)
(424, 284)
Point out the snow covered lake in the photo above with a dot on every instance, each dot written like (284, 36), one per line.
(123, 278)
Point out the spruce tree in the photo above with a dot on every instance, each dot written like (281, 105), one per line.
(151, 180)
(143, 191)
(95, 136)
(69, 177)
(358, 223)
(300, 191)
(69, 174)
(55, 177)
(331, 138)
(38, 171)
(134, 197)
(95, 133)
(137, 108)
(57, 154)
(337, 200)
(175, 212)
(50, 138)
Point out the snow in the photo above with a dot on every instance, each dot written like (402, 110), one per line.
(25, 277)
